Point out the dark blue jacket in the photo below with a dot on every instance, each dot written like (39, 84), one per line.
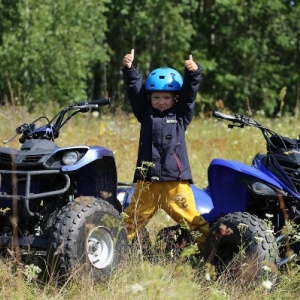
(162, 134)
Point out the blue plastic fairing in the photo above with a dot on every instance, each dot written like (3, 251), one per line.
(228, 190)
(203, 202)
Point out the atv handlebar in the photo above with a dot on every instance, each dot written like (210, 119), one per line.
(50, 131)
(101, 102)
(236, 118)
(274, 140)
(92, 104)
(59, 120)
(220, 115)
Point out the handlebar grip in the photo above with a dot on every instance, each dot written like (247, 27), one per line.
(99, 102)
(220, 115)
(22, 139)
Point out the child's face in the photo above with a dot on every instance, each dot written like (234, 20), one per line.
(162, 100)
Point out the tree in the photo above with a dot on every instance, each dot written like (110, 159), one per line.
(72, 50)
(48, 48)
(158, 32)
(251, 47)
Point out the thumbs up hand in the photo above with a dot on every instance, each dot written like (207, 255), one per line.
(190, 64)
(128, 59)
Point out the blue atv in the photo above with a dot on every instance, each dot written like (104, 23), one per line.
(247, 207)
(59, 204)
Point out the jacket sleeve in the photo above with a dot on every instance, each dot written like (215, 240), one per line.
(135, 91)
(188, 94)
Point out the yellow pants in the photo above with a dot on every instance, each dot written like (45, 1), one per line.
(174, 197)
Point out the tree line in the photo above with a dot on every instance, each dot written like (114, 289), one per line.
(67, 51)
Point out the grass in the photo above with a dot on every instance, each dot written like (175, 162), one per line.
(136, 278)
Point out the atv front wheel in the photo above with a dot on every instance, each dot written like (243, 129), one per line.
(88, 235)
(240, 245)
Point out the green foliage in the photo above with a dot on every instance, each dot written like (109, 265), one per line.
(72, 50)
(157, 30)
(251, 41)
(48, 49)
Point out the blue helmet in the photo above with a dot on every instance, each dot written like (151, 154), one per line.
(164, 79)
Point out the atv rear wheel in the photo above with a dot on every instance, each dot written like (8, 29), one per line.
(88, 235)
(170, 241)
(141, 245)
(240, 245)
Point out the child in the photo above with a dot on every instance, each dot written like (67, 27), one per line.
(164, 106)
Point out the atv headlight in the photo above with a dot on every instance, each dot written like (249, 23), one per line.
(263, 189)
(70, 158)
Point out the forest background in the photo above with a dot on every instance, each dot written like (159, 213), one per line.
(67, 51)
(61, 52)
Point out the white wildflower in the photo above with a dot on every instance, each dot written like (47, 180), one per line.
(269, 216)
(244, 265)
(297, 237)
(135, 288)
(31, 272)
(266, 268)
(171, 253)
(267, 284)
(207, 276)
(95, 114)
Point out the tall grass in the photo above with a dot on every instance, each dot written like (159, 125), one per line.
(136, 278)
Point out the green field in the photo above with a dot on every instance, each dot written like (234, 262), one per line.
(138, 278)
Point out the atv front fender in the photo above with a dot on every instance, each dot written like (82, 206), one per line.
(98, 179)
(227, 185)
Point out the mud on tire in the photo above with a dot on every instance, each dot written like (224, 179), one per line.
(88, 235)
